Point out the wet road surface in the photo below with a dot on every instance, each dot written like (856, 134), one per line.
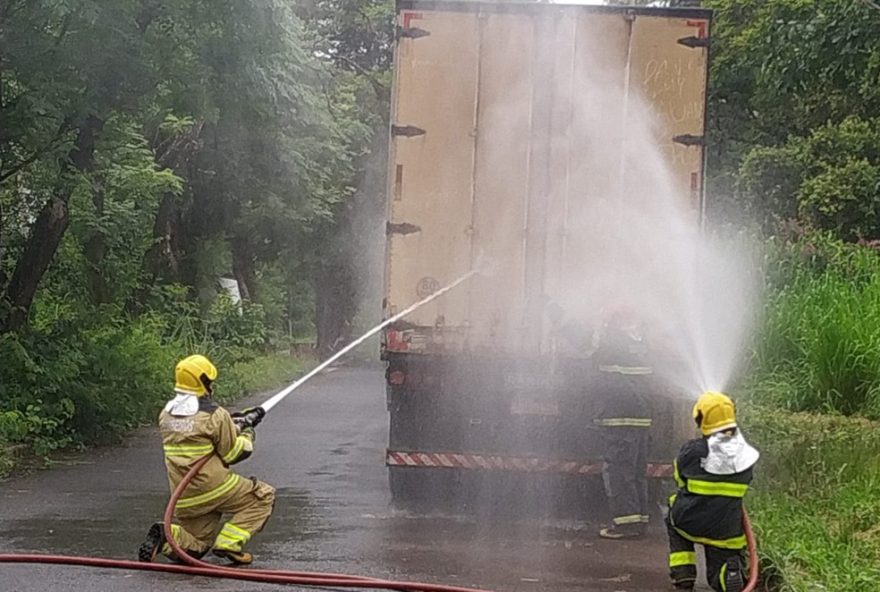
(323, 448)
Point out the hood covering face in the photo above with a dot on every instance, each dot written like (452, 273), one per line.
(729, 454)
(183, 405)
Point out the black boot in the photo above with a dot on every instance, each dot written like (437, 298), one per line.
(732, 575)
(234, 557)
(153, 543)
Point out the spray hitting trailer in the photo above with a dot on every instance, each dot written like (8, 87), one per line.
(509, 124)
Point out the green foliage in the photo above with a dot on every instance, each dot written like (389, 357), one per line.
(93, 385)
(768, 183)
(228, 137)
(830, 180)
(816, 503)
(845, 199)
(780, 70)
(262, 373)
(819, 347)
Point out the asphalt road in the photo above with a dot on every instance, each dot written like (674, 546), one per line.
(323, 448)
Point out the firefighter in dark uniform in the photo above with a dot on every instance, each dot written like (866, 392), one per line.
(712, 473)
(623, 384)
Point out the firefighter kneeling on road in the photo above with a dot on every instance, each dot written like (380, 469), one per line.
(192, 426)
(712, 474)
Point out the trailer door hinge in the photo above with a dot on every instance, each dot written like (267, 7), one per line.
(688, 140)
(407, 131)
(411, 32)
(694, 42)
(402, 228)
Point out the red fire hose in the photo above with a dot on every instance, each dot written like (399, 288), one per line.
(201, 568)
(752, 584)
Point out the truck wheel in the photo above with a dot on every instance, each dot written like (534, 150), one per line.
(407, 487)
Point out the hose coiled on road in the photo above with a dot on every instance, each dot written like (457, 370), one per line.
(196, 567)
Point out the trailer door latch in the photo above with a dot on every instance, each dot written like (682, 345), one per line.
(411, 33)
(402, 228)
(694, 42)
(407, 131)
(688, 140)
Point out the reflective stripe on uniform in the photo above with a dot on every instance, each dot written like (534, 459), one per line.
(231, 537)
(175, 534)
(188, 450)
(629, 519)
(242, 443)
(679, 558)
(676, 475)
(725, 489)
(722, 577)
(628, 370)
(734, 543)
(188, 502)
(619, 422)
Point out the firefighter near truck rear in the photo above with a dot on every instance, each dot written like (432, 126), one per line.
(493, 156)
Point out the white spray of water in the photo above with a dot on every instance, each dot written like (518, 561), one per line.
(636, 241)
(278, 397)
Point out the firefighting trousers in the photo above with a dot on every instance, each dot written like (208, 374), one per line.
(626, 460)
(683, 561)
(247, 507)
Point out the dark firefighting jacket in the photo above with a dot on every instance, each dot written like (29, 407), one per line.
(707, 508)
(623, 380)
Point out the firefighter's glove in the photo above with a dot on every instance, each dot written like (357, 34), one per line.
(248, 418)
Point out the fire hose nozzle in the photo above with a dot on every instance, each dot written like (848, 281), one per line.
(248, 418)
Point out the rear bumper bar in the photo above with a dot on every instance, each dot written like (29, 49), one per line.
(485, 462)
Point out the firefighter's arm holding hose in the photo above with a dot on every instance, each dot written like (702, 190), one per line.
(235, 434)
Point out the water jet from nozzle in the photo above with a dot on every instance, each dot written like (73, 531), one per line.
(277, 398)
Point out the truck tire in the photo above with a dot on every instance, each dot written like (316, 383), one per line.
(410, 488)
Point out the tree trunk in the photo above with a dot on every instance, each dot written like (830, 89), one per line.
(47, 231)
(95, 249)
(243, 268)
(162, 259)
(335, 307)
(2, 251)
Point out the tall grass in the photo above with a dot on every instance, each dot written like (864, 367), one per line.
(819, 348)
(813, 389)
(816, 504)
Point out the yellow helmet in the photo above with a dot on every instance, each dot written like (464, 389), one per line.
(194, 374)
(714, 412)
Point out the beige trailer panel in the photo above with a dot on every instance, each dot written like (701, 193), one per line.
(598, 88)
(524, 160)
(671, 78)
(504, 128)
(432, 173)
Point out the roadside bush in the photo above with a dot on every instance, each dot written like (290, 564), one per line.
(262, 373)
(829, 180)
(80, 382)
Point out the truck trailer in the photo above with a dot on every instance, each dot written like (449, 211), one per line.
(510, 122)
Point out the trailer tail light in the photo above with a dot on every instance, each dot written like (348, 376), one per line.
(395, 341)
(396, 378)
